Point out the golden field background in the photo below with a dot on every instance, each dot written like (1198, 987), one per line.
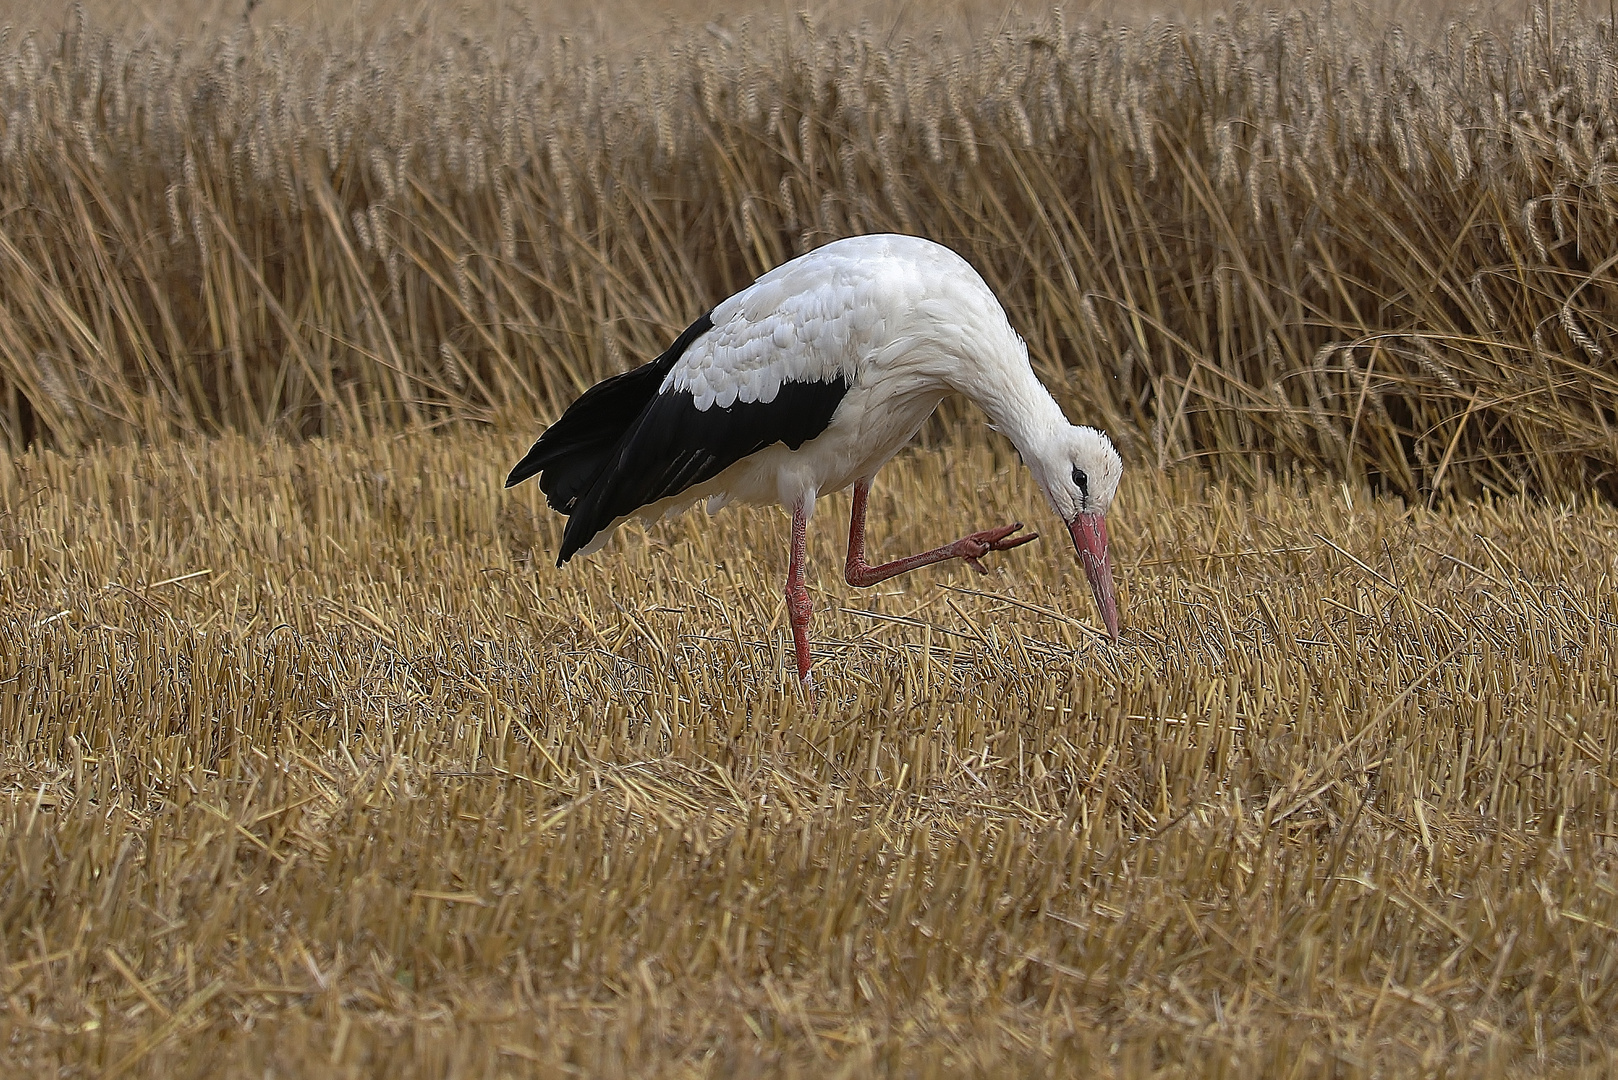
(312, 764)
(1295, 238)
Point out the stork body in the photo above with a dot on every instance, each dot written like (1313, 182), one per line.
(806, 382)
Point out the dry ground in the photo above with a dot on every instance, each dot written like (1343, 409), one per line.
(313, 765)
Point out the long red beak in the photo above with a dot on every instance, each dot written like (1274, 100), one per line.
(1090, 538)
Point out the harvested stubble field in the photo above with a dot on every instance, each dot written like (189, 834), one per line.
(310, 762)
(314, 762)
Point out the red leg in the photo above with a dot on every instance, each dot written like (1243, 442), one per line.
(971, 548)
(798, 606)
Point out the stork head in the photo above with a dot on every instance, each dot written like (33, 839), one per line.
(1079, 471)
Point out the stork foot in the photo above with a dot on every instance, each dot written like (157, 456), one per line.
(974, 547)
(971, 548)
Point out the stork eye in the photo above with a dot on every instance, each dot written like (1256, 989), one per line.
(1082, 481)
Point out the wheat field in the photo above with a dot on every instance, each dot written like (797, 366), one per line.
(1258, 239)
(313, 764)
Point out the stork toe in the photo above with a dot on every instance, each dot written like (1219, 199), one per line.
(972, 548)
(1015, 541)
(1001, 539)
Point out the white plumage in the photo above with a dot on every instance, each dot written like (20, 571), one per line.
(807, 382)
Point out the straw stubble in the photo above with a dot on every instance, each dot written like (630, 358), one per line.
(314, 762)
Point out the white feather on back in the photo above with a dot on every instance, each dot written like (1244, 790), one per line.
(809, 320)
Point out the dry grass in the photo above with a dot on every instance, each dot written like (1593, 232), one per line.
(313, 764)
(1256, 239)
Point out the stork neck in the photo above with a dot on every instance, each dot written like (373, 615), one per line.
(1018, 405)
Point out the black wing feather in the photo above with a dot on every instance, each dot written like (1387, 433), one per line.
(674, 446)
(572, 452)
(623, 445)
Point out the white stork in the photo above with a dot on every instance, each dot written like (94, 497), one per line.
(808, 381)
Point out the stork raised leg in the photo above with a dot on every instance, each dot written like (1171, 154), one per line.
(862, 574)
